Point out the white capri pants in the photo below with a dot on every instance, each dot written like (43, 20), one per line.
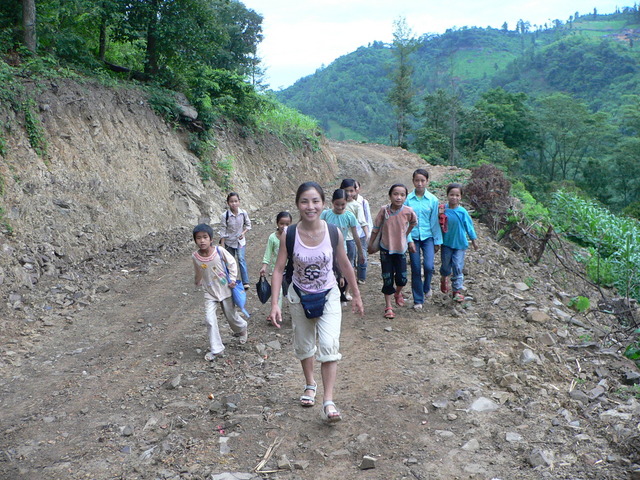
(236, 322)
(324, 329)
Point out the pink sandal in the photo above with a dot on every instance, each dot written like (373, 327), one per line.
(399, 299)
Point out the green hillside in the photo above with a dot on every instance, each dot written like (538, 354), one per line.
(591, 57)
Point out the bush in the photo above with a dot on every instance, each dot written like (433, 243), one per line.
(488, 190)
(216, 93)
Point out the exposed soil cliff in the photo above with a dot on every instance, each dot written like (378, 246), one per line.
(116, 172)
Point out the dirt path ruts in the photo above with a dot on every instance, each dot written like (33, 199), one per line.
(92, 397)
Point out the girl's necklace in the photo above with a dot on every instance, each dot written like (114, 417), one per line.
(310, 235)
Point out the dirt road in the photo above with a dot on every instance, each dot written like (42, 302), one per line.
(120, 390)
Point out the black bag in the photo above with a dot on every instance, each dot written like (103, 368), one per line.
(263, 289)
(312, 303)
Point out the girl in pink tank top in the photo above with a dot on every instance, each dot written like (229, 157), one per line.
(316, 338)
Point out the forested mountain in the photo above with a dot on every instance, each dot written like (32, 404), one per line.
(591, 57)
(553, 105)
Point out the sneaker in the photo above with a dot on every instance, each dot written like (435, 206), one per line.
(247, 286)
(428, 294)
(348, 297)
(417, 306)
(361, 281)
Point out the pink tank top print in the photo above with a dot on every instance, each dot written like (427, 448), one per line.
(313, 266)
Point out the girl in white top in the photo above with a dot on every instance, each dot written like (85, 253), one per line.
(234, 224)
(313, 272)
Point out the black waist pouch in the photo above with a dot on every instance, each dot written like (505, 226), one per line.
(312, 303)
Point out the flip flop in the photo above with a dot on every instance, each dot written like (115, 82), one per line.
(399, 299)
(309, 400)
(388, 313)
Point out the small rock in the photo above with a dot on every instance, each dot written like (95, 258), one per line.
(284, 463)
(367, 463)
(541, 458)
(441, 404)
(445, 433)
(537, 316)
(127, 431)
(477, 362)
(580, 396)
(300, 464)
(547, 339)
(274, 345)
(216, 407)
(174, 382)
(471, 446)
(631, 378)
(363, 437)
(411, 461)
(508, 379)
(596, 392)
(523, 287)
(613, 415)
(388, 329)
(512, 437)
(527, 356)
(224, 447)
(484, 404)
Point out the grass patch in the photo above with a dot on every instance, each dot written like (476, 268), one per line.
(292, 127)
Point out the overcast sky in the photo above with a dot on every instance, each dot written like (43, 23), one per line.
(302, 35)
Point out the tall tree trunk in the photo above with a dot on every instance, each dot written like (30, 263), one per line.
(102, 48)
(29, 24)
(151, 63)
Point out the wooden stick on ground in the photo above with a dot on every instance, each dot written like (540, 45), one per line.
(267, 455)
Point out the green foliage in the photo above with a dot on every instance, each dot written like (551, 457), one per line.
(290, 126)
(223, 172)
(613, 238)
(35, 130)
(533, 211)
(164, 104)
(633, 210)
(579, 304)
(216, 93)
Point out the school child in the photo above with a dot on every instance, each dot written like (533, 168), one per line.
(283, 220)
(345, 221)
(364, 238)
(454, 242)
(394, 223)
(235, 224)
(349, 186)
(314, 291)
(210, 274)
(426, 237)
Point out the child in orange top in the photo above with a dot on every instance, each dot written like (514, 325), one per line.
(394, 222)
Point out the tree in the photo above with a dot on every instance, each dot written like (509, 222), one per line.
(29, 24)
(509, 118)
(569, 134)
(438, 136)
(401, 94)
